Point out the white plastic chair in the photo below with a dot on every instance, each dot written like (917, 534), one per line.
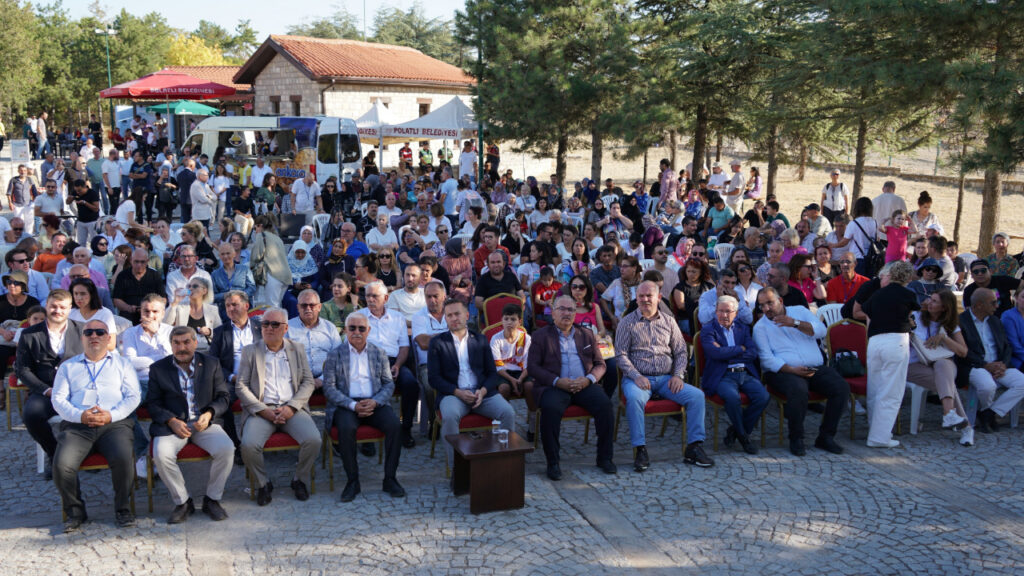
(176, 227)
(830, 314)
(320, 222)
(646, 264)
(722, 253)
(917, 397)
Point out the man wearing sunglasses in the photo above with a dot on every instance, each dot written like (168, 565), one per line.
(1003, 286)
(358, 386)
(274, 384)
(317, 337)
(18, 261)
(95, 394)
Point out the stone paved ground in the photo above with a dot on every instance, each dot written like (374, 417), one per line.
(928, 507)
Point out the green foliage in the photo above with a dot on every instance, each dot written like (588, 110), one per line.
(19, 46)
(340, 24)
(434, 37)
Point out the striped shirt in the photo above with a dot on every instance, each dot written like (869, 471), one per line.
(650, 347)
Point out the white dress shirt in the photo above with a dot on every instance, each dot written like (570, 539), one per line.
(142, 348)
(318, 341)
(988, 341)
(177, 280)
(388, 332)
(57, 340)
(277, 385)
(424, 323)
(305, 196)
(359, 384)
(407, 304)
(467, 379)
(778, 346)
(110, 384)
(242, 337)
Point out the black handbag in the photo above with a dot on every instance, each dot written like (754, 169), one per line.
(847, 364)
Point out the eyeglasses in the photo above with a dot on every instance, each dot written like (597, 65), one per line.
(811, 266)
(22, 261)
(98, 243)
(979, 270)
(385, 256)
(195, 286)
(577, 287)
(308, 305)
(77, 276)
(272, 324)
(17, 229)
(743, 269)
(698, 254)
(440, 231)
(360, 329)
(95, 332)
(564, 309)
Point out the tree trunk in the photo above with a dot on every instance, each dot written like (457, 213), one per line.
(645, 165)
(718, 147)
(990, 198)
(673, 148)
(960, 193)
(858, 166)
(700, 140)
(596, 153)
(802, 170)
(773, 160)
(560, 154)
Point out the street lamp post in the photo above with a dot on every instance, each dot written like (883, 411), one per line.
(107, 33)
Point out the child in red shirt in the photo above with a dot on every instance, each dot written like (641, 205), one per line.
(544, 292)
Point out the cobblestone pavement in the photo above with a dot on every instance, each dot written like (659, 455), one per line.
(928, 507)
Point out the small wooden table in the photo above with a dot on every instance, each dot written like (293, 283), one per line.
(495, 477)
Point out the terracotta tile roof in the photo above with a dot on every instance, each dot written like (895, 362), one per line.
(322, 59)
(220, 74)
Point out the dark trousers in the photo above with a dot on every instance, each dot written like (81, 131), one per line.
(114, 195)
(383, 419)
(228, 423)
(409, 389)
(148, 202)
(138, 193)
(186, 213)
(76, 442)
(830, 214)
(827, 382)
(166, 209)
(37, 411)
(553, 403)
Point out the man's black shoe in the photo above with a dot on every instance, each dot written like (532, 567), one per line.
(642, 461)
(990, 418)
(730, 436)
(828, 444)
(301, 492)
(748, 446)
(238, 458)
(407, 440)
(351, 491)
(608, 467)
(74, 524)
(554, 472)
(393, 488)
(213, 509)
(368, 449)
(124, 519)
(181, 512)
(263, 495)
(530, 437)
(796, 446)
(695, 455)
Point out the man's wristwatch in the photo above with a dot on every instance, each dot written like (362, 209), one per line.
(796, 324)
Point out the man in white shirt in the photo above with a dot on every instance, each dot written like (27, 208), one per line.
(148, 341)
(178, 280)
(204, 199)
(111, 172)
(734, 191)
(727, 282)
(305, 197)
(50, 202)
(317, 337)
(885, 204)
(791, 362)
(427, 323)
(467, 161)
(410, 299)
(260, 171)
(388, 331)
(358, 386)
(449, 191)
(95, 393)
(717, 179)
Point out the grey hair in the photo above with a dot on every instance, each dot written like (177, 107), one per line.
(276, 310)
(900, 272)
(376, 285)
(182, 331)
(729, 300)
(237, 294)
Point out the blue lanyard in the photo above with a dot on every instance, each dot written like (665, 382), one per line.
(93, 377)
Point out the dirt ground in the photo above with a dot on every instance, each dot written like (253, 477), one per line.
(794, 195)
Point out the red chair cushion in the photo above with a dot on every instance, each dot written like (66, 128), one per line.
(364, 432)
(191, 451)
(858, 385)
(317, 400)
(574, 411)
(236, 406)
(280, 440)
(142, 413)
(475, 421)
(95, 460)
(661, 406)
(717, 400)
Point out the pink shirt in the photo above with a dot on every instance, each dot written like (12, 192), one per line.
(897, 248)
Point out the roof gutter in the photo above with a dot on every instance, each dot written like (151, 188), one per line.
(323, 103)
(393, 81)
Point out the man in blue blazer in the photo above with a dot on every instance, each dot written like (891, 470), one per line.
(729, 355)
(460, 367)
(228, 340)
(358, 387)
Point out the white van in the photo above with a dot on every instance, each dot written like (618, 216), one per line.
(291, 145)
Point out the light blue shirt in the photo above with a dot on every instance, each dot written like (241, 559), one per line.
(778, 346)
(987, 339)
(318, 341)
(110, 384)
(572, 366)
(142, 350)
(708, 303)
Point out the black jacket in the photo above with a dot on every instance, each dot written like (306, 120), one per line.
(36, 364)
(223, 344)
(975, 357)
(165, 398)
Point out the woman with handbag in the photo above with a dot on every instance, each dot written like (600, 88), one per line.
(935, 340)
(888, 312)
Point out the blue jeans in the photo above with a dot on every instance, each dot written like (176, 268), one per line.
(729, 388)
(690, 397)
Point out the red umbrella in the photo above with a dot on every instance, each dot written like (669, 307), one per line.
(169, 85)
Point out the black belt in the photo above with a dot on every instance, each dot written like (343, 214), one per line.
(736, 369)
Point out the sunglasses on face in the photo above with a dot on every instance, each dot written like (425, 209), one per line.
(979, 271)
(17, 229)
(272, 324)
(22, 261)
(360, 329)
(308, 305)
(698, 254)
(385, 257)
(95, 332)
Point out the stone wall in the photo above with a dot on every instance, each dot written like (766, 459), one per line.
(283, 80)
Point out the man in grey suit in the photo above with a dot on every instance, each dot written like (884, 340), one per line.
(274, 384)
(358, 386)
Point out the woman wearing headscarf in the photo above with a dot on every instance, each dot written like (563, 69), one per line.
(460, 270)
(316, 251)
(301, 264)
(337, 262)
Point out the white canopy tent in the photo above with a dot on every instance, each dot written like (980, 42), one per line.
(452, 121)
(371, 125)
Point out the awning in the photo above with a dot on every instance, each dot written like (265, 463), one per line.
(170, 85)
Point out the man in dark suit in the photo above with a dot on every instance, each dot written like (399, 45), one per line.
(185, 179)
(460, 367)
(729, 369)
(227, 344)
(36, 366)
(557, 385)
(358, 387)
(989, 355)
(187, 396)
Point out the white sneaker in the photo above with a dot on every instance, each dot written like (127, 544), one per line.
(858, 408)
(140, 467)
(953, 420)
(967, 437)
(888, 444)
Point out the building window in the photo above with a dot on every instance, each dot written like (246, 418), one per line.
(296, 108)
(424, 109)
(275, 105)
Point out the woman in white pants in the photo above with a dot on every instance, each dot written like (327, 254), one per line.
(888, 312)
